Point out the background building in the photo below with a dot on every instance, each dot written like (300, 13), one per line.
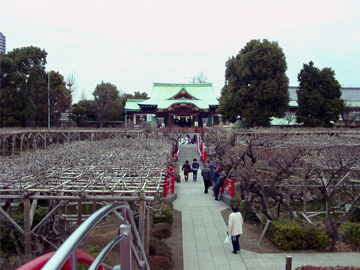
(350, 118)
(2, 43)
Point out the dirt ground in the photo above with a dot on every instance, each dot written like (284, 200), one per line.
(175, 242)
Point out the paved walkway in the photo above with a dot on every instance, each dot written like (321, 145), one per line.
(204, 232)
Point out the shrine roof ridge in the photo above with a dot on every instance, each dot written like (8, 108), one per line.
(182, 84)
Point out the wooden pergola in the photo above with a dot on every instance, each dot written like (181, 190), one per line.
(80, 167)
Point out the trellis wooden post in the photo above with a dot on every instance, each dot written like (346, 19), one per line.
(3, 144)
(13, 144)
(141, 220)
(94, 204)
(21, 142)
(305, 197)
(147, 229)
(44, 141)
(27, 226)
(28, 143)
(79, 212)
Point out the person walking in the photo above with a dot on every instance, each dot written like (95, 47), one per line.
(186, 168)
(205, 173)
(235, 228)
(218, 184)
(195, 168)
(216, 174)
(211, 167)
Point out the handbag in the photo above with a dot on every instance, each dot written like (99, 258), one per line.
(228, 239)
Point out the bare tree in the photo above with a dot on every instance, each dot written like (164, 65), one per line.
(250, 158)
(70, 82)
(334, 165)
(276, 167)
(200, 78)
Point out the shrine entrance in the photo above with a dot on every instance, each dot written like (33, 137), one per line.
(183, 121)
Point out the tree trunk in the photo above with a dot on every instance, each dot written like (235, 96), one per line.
(330, 225)
(288, 208)
(265, 206)
(250, 209)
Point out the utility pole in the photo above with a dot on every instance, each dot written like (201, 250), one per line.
(49, 100)
(69, 85)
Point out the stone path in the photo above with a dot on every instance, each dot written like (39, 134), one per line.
(204, 232)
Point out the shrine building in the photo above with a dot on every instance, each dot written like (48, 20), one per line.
(170, 105)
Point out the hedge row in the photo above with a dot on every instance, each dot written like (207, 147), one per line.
(160, 253)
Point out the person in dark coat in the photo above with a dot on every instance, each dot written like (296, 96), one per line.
(212, 169)
(195, 168)
(205, 173)
(216, 174)
(186, 168)
(218, 184)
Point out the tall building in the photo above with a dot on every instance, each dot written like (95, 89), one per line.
(2, 43)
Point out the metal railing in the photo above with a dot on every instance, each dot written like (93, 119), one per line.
(127, 230)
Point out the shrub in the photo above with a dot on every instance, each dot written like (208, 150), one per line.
(316, 238)
(159, 262)
(166, 216)
(161, 230)
(352, 234)
(355, 217)
(163, 212)
(166, 203)
(287, 234)
(292, 235)
(160, 254)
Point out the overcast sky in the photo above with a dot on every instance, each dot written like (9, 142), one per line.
(132, 44)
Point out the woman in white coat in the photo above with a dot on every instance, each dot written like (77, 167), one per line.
(235, 228)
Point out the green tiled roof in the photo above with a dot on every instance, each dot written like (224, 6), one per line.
(162, 93)
(132, 104)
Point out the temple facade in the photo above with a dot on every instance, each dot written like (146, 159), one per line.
(171, 105)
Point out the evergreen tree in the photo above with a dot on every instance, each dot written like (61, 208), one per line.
(106, 98)
(256, 87)
(83, 112)
(24, 89)
(319, 97)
